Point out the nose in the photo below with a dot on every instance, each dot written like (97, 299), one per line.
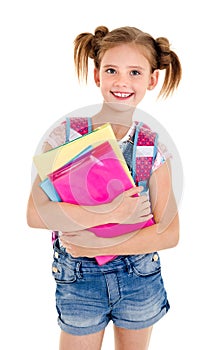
(121, 79)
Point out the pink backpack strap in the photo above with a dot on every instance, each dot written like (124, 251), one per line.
(144, 153)
(79, 124)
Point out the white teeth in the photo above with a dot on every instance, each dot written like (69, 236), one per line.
(119, 94)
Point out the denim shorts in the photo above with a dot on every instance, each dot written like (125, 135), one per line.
(128, 290)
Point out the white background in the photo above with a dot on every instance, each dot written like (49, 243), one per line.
(37, 87)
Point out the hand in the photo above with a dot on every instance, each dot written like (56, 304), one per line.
(131, 209)
(84, 238)
(77, 251)
(87, 239)
(79, 243)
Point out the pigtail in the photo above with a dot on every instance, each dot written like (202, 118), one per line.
(82, 50)
(87, 45)
(168, 60)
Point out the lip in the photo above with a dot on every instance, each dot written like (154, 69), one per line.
(122, 95)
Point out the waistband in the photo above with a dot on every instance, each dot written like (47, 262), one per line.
(90, 264)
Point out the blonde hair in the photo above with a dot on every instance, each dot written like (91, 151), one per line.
(157, 51)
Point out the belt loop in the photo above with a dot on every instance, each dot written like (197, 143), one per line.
(128, 265)
(78, 269)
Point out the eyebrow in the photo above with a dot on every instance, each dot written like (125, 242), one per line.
(137, 67)
(131, 67)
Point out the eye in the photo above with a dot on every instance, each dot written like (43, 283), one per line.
(111, 71)
(135, 72)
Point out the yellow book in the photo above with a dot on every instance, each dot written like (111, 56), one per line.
(52, 160)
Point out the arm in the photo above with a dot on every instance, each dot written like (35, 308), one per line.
(60, 216)
(164, 234)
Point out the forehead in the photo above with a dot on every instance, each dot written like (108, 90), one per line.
(127, 54)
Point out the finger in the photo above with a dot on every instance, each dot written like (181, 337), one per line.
(141, 219)
(67, 245)
(146, 217)
(69, 234)
(145, 205)
(144, 197)
(134, 190)
(70, 241)
(142, 210)
(70, 251)
(67, 239)
(140, 204)
(146, 211)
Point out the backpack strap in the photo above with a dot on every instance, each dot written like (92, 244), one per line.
(81, 125)
(144, 153)
(138, 125)
(67, 129)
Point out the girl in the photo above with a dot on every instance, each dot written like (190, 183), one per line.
(128, 290)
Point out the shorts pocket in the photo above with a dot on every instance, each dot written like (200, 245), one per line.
(148, 265)
(62, 273)
(63, 269)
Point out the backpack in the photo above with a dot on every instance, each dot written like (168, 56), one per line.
(143, 153)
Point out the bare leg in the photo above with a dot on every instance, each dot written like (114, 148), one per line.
(126, 339)
(83, 342)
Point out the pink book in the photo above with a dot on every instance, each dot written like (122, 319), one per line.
(96, 177)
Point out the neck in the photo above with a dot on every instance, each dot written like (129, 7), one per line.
(118, 115)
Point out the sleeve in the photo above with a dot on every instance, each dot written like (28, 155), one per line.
(161, 156)
(57, 136)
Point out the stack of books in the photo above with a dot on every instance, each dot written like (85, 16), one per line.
(88, 171)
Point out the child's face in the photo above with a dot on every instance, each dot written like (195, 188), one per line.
(125, 75)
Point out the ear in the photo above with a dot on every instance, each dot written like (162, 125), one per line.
(153, 79)
(96, 77)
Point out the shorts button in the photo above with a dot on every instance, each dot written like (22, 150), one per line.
(54, 269)
(155, 257)
(56, 255)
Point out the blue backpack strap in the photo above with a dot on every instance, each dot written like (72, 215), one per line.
(67, 129)
(90, 127)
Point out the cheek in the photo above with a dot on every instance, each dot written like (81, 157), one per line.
(140, 86)
(141, 91)
(105, 84)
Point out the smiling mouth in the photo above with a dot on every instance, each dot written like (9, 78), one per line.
(122, 95)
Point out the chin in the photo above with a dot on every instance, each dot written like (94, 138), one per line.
(120, 106)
